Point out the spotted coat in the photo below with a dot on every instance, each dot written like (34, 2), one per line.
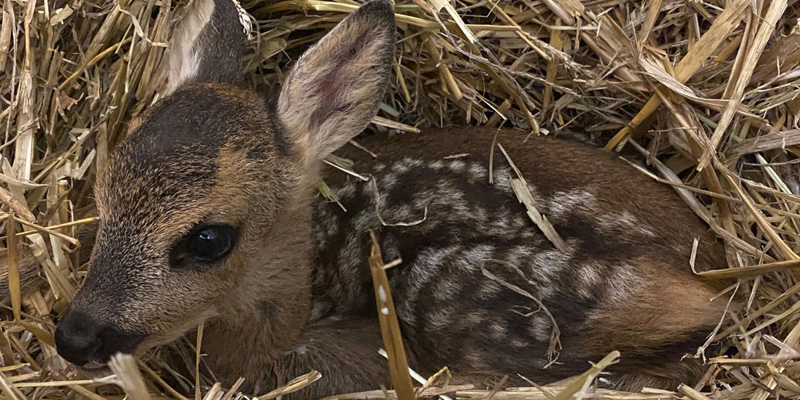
(465, 240)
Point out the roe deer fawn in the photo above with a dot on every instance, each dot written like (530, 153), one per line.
(207, 213)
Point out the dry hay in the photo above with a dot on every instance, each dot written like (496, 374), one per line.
(707, 91)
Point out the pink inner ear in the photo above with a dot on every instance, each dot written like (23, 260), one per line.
(326, 94)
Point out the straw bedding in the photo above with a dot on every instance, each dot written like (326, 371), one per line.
(706, 91)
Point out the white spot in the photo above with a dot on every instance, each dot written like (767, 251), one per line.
(382, 293)
(576, 201)
(475, 318)
(457, 165)
(588, 279)
(547, 263)
(624, 284)
(502, 179)
(385, 310)
(498, 330)
(474, 359)
(402, 212)
(475, 257)
(446, 289)
(389, 181)
(426, 267)
(539, 328)
(478, 171)
(347, 190)
(441, 318)
(626, 221)
(519, 343)
(406, 164)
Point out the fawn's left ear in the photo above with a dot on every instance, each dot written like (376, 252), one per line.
(335, 88)
(208, 43)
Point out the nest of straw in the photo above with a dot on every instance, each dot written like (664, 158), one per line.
(708, 92)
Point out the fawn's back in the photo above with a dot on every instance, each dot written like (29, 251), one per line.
(481, 286)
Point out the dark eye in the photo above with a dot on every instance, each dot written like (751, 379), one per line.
(207, 243)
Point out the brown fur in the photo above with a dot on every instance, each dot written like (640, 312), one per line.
(294, 294)
(666, 307)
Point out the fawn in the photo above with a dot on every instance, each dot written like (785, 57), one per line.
(207, 213)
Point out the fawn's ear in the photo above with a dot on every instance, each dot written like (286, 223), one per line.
(208, 43)
(336, 87)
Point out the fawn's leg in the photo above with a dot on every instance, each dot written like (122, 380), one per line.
(345, 352)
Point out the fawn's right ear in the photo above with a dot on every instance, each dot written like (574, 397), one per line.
(208, 43)
(335, 88)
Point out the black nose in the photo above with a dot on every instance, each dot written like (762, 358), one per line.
(77, 337)
(81, 340)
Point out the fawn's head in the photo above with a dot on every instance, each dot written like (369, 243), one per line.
(204, 207)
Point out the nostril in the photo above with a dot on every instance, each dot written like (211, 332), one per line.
(82, 340)
(77, 338)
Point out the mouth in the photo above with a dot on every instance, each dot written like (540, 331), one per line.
(96, 371)
(94, 365)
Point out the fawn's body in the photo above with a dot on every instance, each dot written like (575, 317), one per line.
(624, 284)
(207, 214)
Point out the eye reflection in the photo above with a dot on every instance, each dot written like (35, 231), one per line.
(206, 244)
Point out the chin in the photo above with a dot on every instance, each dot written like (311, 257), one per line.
(96, 370)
